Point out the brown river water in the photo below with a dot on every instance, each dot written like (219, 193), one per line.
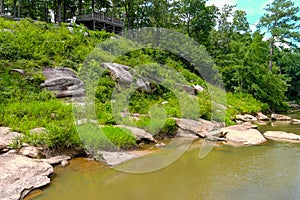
(266, 172)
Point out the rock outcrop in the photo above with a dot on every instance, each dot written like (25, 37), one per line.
(64, 82)
(124, 76)
(19, 175)
(282, 136)
(243, 134)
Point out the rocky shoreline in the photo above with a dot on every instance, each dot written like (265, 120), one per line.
(29, 167)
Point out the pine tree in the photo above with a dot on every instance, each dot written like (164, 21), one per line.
(282, 23)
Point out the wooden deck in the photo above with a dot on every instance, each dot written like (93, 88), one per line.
(100, 21)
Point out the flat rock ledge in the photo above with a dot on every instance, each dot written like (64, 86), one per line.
(115, 158)
(20, 175)
(282, 136)
(195, 128)
(280, 117)
(243, 134)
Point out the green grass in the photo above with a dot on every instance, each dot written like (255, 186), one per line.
(107, 138)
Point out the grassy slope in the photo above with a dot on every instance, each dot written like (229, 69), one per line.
(24, 105)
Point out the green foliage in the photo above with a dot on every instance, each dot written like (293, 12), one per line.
(241, 103)
(53, 114)
(107, 138)
(42, 44)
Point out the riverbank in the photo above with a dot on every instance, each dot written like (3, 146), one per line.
(244, 134)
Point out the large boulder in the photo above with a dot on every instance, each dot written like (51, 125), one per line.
(19, 175)
(282, 136)
(195, 128)
(243, 134)
(64, 82)
(262, 117)
(280, 117)
(124, 76)
(6, 138)
(139, 134)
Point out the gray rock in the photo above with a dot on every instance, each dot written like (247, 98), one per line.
(262, 117)
(198, 88)
(6, 138)
(243, 134)
(56, 160)
(198, 128)
(120, 73)
(63, 82)
(246, 118)
(282, 136)
(30, 151)
(64, 163)
(186, 88)
(280, 117)
(20, 175)
(18, 71)
(160, 145)
(115, 158)
(140, 134)
(124, 76)
(296, 121)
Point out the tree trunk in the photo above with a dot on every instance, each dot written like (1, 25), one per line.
(15, 8)
(59, 10)
(28, 8)
(80, 7)
(271, 54)
(93, 6)
(65, 11)
(2, 10)
(45, 11)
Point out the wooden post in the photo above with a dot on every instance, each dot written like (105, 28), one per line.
(94, 25)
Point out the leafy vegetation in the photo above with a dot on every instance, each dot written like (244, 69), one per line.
(260, 73)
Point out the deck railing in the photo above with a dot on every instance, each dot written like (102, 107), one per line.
(101, 17)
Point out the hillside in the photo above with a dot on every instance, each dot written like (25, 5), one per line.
(32, 46)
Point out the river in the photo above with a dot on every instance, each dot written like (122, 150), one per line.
(268, 171)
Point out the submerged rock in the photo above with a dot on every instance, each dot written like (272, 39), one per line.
(243, 134)
(19, 175)
(114, 158)
(282, 136)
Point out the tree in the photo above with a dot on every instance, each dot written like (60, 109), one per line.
(197, 19)
(282, 23)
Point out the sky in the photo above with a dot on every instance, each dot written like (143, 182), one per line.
(253, 8)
